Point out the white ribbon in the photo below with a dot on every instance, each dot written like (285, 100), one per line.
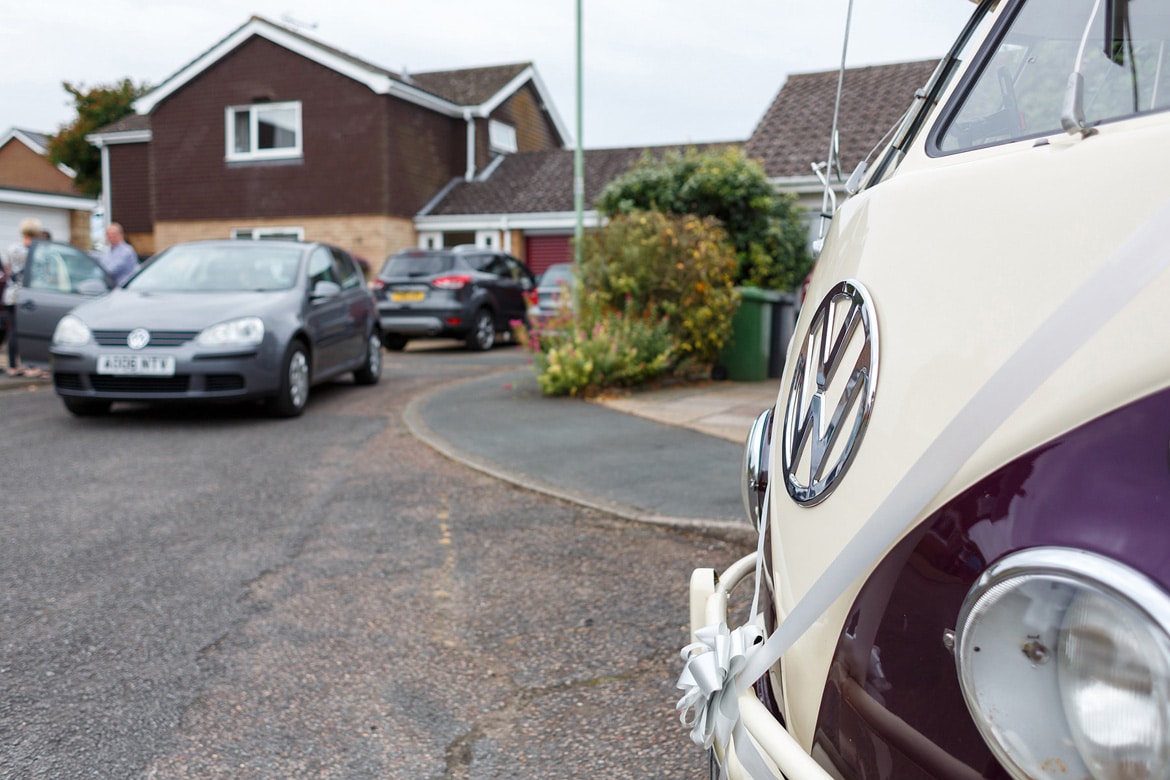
(1141, 258)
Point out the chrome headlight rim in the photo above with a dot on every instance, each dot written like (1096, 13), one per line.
(757, 456)
(1080, 576)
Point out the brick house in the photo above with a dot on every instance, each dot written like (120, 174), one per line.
(31, 186)
(271, 133)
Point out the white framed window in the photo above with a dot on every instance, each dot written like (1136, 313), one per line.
(430, 240)
(502, 137)
(487, 239)
(269, 234)
(264, 131)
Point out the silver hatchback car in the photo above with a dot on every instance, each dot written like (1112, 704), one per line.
(221, 321)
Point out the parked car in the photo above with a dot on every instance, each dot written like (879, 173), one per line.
(56, 278)
(962, 494)
(464, 292)
(554, 289)
(221, 321)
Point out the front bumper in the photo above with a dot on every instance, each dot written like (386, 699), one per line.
(229, 377)
(708, 606)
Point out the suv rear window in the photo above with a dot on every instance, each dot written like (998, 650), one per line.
(418, 264)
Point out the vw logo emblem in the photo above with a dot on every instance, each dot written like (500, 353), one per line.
(832, 392)
(138, 338)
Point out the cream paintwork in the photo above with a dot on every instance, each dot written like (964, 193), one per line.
(955, 297)
(962, 269)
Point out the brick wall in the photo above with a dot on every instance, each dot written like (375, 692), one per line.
(371, 237)
(79, 230)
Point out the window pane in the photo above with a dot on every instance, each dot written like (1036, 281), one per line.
(320, 266)
(241, 142)
(276, 128)
(1020, 92)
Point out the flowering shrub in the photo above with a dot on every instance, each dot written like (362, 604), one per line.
(585, 350)
(680, 269)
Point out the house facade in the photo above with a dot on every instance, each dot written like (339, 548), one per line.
(32, 186)
(270, 133)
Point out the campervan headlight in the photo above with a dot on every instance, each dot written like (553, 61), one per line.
(1064, 660)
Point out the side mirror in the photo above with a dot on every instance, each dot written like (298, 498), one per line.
(326, 289)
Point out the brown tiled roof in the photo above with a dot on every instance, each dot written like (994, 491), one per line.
(468, 86)
(535, 182)
(795, 131)
(463, 87)
(127, 124)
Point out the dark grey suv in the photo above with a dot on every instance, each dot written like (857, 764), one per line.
(464, 292)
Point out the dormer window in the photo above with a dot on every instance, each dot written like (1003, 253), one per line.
(264, 131)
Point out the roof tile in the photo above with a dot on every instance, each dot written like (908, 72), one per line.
(536, 182)
(795, 130)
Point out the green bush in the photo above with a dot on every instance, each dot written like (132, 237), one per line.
(763, 226)
(677, 269)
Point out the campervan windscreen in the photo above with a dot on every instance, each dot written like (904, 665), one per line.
(1019, 91)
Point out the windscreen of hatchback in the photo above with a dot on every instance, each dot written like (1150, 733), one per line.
(417, 265)
(1120, 48)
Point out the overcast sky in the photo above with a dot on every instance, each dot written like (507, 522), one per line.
(655, 71)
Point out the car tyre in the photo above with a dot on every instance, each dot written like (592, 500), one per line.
(394, 341)
(483, 332)
(371, 370)
(86, 407)
(293, 395)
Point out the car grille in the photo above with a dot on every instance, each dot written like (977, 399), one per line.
(219, 383)
(212, 383)
(140, 384)
(67, 381)
(158, 338)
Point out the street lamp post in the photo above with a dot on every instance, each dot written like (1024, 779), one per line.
(579, 154)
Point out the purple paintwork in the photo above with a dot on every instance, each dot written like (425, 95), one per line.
(1103, 487)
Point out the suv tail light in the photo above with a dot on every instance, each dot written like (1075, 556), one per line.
(377, 284)
(451, 282)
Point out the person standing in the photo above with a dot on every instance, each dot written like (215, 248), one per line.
(14, 260)
(120, 260)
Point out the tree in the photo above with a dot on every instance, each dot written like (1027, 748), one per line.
(96, 108)
(763, 226)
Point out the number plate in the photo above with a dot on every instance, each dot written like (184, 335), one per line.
(136, 365)
(407, 297)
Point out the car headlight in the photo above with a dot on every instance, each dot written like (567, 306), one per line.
(244, 332)
(1064, 660)
(71, 332)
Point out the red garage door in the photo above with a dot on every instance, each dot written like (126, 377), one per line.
(542, 251)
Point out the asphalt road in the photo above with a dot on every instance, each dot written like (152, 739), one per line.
(206, 593)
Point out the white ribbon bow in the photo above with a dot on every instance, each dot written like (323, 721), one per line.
(709, 707)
